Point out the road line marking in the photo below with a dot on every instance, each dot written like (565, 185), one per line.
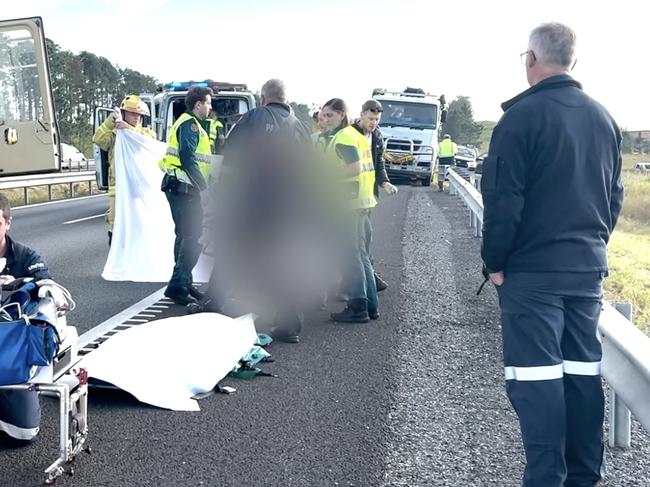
(118, 319)
(84, 219)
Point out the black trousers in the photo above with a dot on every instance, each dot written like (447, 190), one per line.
(187, 214)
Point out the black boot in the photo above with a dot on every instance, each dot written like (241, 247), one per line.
(195, 293)
(355, 312)
(380, 283)
(179, 295)
(288, 327)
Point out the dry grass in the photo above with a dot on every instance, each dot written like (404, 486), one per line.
(38, 194)
(629, 248)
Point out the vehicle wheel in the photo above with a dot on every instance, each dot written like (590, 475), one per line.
(426, 182)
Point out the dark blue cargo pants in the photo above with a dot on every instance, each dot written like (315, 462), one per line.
(552, 357)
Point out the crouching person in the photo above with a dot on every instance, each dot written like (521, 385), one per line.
(20, 411)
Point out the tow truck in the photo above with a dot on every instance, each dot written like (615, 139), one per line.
(410, 125)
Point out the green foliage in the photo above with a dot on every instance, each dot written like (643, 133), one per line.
(301, 111)
(486, 135)
(460, 123)
(80, 83)
(629, 247)
(628, 143)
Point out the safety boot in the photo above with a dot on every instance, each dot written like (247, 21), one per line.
(355, 312)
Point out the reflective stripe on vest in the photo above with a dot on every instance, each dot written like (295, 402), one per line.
(366, 180)
(171, 163)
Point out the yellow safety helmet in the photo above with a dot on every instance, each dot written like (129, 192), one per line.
(133, 103)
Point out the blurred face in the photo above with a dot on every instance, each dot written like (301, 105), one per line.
(133, 119)
(5, 224)
(331, 118)
(370, 120)
(203, 108)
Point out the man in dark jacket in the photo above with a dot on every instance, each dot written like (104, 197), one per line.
(552, 194)
(20, 411)
(261, 202)
(368, 125)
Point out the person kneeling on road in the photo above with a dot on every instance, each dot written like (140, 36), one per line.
(20, 411)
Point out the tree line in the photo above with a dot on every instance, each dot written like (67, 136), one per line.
(80, 83)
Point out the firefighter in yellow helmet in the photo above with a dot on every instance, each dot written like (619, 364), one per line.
(129, 117)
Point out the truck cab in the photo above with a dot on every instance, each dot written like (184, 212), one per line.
(410, 125)
(229, 100)
(29, 136)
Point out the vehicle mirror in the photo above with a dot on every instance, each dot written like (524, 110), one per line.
(443, 116)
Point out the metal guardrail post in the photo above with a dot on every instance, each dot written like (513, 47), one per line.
(619, 414)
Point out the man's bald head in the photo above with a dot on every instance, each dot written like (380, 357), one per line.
(273, 91)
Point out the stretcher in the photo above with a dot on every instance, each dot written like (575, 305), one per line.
(62, 379)
(71, 390)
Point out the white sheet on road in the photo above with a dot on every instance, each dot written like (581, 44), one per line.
(143, 232)
(166, 362)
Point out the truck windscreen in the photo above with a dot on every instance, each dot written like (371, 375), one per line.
(416, 115)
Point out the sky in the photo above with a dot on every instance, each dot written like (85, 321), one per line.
(344, 49)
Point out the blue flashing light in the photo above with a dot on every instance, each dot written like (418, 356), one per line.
(184, 85)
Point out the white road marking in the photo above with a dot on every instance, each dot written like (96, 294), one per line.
(83, 219)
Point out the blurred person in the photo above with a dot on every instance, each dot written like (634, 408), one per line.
(262, 223)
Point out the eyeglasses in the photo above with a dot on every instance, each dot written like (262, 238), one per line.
(524, 55)
(375, 110)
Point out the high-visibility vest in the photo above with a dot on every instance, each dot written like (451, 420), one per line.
(171, 163)
(447, 148)
(215, 125)
(366, 180)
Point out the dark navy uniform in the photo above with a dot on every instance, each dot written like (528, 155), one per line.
(183, 192)
(552, 194)
(20, 411)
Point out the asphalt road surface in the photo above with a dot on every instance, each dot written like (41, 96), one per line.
(413, 399)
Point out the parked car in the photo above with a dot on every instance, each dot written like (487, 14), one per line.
(72, 158)
(466, 157)
(642, 166)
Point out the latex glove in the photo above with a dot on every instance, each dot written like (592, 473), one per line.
(389, 188)
(6, 280)
(117, 117)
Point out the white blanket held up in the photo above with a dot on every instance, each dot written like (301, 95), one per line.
(143, 233)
